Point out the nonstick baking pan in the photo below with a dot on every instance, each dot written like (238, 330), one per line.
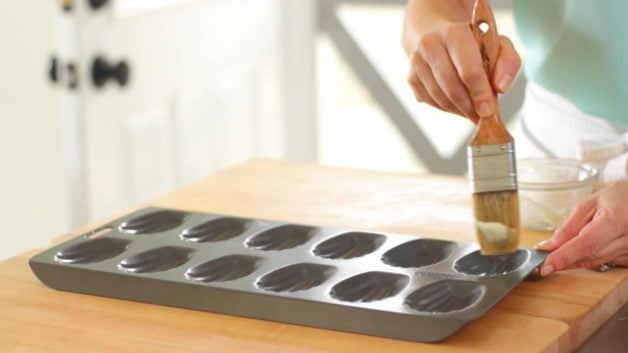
(399, 286)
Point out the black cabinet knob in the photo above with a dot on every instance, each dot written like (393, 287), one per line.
(96, 4)
(102, 71)
(53, 69)
(72, 76)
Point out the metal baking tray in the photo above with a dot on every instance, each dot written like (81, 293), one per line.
(398, 286)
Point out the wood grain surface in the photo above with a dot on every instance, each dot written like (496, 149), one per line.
(551, 315)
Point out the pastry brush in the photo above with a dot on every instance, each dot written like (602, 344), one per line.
(491, 157)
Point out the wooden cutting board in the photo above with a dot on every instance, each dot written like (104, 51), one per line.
(551, 315)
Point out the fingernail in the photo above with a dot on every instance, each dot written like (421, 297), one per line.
(484, 110)
(546, 270)
(545, 244)
(505, 82)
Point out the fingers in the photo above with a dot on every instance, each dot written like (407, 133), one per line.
(621, 261)
(611, 253)
(447, 78)
(596, 232)
(420, 93)
(465, 56)
(615, 249)
(580, 215)
(594, 237)
(507, 65)
(448, 67)
(425, 75)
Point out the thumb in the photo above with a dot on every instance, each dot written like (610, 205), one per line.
(507, 65)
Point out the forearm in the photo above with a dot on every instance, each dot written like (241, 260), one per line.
(424, 16)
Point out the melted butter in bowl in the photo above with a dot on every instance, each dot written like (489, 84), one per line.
(550, 188)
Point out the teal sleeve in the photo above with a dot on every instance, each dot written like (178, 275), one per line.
(578, 49)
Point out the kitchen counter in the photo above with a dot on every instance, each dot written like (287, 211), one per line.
(556, 314)
(611, 337)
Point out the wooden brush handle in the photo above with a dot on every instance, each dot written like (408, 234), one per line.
(488, 39)
(490, 129)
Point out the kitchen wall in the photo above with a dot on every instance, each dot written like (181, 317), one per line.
(349, 128)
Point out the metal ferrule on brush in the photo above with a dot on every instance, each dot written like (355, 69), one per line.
(492, 167)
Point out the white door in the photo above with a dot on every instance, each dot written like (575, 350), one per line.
(33, 180)
(202, 93)
(211, 83)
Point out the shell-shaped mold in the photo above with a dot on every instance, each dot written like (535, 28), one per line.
(296, 277)
(419, 253)
(349, 245)
(154, 222)
(93, 250)
(281, 238)
(156, 260)
(476, 264)
(369, 286)
(223, 269)
(445, 296)
(216, 230)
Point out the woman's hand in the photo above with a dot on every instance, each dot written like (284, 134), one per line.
(596, 232)
(446, 66)
(446, 71)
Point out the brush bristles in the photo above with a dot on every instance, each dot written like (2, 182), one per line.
(497, 221)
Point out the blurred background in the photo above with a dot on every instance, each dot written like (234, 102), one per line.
(108, 103)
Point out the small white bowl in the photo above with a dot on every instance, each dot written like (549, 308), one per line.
(550, 188)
